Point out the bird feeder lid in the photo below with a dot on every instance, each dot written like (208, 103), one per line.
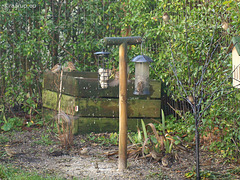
(236, 43)
(142, 58)
(102, 53)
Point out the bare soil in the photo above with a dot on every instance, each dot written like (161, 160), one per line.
(39, 150)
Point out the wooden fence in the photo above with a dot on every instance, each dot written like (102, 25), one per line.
(94, 109)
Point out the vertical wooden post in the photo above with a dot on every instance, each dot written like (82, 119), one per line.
(123, 42)
(122, 106)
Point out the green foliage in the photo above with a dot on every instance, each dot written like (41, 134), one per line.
(136, 138)
(104, 140)
(144, 129)
(3, 139)
(37, 37)
(12, 172)
(44, 140)
(210, 175)
(10, 123)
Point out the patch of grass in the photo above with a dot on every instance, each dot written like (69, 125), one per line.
(234, 171)
(45, 140)
(3, 139)
(12, 172)
(104, 140)
(157, 175)
(210, 175)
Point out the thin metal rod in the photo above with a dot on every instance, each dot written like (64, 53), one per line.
(122, 106)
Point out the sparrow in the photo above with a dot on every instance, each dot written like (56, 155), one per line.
(10, 151)
(190, 98)
(115, 81)
(140, 87)
(155, 155)
(225, 25)
(56, 68)
(69, 67)
(84, 150)
(165, 17)
(165, 161)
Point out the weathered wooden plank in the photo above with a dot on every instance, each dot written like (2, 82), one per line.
(49, 99)
(110, 107)
(102, 107)
(98, 125)
(84, 125)
(80, 86)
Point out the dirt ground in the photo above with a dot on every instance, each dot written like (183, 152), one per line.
(39, 150)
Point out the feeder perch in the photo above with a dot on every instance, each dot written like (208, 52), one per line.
(103, 69)
(142, 74)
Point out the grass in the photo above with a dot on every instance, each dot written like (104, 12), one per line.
(44, 140)
(3, 139)
(158, 175)
(12, 172)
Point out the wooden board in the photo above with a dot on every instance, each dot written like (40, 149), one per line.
(84, 125)
(86, 85)
(98, 125)
(98, 109)
(102, 107)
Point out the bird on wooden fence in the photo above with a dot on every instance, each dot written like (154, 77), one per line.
(56, 68)
(69, 67)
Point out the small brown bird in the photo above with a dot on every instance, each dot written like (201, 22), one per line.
(56, 68)
(225, 25)
(165, 17)
(84, 150)
(140, 87)
(190, 98)
(115, 81)
(69, 67)
(165, 161)
(10, 151)
(155, 155)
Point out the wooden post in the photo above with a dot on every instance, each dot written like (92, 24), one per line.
(123, 42)
(122, 106)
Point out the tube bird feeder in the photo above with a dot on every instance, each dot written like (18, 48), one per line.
(142, 74)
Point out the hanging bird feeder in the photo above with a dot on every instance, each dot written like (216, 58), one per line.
(103, 69)
(142, 74)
